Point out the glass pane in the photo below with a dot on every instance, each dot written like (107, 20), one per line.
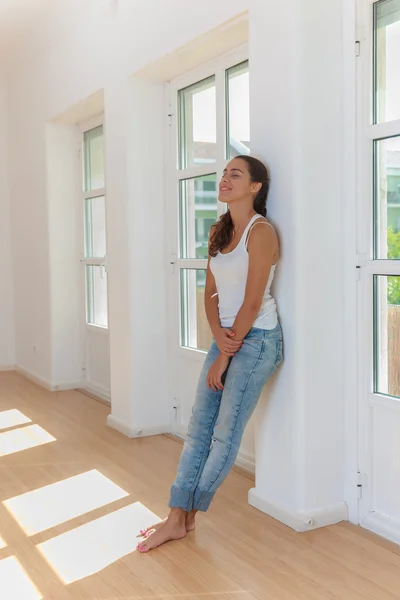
(95, 227)
(195, 331)
(387, 56)
(238, 110)
(387, 335)
(198, 211)
(197, 124)
(96, 295)
(94, 159)
(387, 198)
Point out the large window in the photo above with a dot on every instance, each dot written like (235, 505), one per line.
(94, 216)
(212, 126)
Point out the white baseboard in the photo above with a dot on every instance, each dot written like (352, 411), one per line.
(384, 526)
(244, 460)
(97, 390)
(65, 386)
(6, 368)
(300, 520)
(33, 377)
(135, 432)
(46, 383)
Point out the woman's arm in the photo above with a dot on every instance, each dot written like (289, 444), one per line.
(263, 253)
(211, 302)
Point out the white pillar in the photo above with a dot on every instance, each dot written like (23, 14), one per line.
(134, 127)
(296, 94)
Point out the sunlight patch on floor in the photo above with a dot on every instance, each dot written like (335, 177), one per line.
(2, 543)
(15, 583)
(96, 545)
(12, 418)
(23, 439)
(59, 502)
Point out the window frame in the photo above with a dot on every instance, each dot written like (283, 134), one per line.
(217, 68)
(368, 131)
(84, 195)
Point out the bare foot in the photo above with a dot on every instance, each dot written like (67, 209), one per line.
(170, 530)
(191, 520)
(190, 525)
(151, 529)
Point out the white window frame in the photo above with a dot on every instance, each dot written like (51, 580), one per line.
(83, 127)
(368, 266)
(218, 69)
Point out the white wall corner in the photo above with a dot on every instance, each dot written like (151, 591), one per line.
(38, 379)
(383, 526)
(246, 461)
(300, 521)
(134, 431)
(47, 384)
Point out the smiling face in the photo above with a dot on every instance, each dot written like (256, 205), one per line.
(236, 183)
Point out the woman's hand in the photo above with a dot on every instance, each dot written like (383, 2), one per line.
(216, 371)
(225, 342)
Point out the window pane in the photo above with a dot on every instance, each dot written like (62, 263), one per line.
(197, 124)
(96, 296)
(95, 227)
(387, 335)
(238, 110)
(94, 159)
(195, 331)
(198, 211)
(387, 55)
(387, 198)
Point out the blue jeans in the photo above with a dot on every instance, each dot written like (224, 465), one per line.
(219, 418)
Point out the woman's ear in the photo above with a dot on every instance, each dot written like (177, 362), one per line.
(256, 187)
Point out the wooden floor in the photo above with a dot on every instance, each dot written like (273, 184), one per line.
(70, 507)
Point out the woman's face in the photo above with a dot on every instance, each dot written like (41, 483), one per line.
(236, 183)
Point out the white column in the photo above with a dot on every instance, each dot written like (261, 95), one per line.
(296, 94)
(134, 127)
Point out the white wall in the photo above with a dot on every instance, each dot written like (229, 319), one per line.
(6, 281)
(297, 126)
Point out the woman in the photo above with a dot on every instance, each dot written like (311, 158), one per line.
(247, 346)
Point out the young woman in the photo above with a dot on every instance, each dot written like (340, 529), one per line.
(246, 350)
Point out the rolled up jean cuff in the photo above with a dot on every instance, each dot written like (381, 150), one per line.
(202, 500)
(181, 499)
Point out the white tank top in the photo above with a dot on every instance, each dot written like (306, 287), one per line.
(230, 273)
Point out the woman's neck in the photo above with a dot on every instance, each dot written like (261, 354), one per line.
(241, 215)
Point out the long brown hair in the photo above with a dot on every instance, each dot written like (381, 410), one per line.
(222, 232)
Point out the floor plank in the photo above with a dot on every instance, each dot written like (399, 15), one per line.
(76, 539)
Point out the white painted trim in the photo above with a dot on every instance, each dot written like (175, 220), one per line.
(300, 521)
(6, 368)
(97, 390)
(51, 386)
(246, 461)
(65, 386)
(38, 379)
(383, 526)
(135, 432)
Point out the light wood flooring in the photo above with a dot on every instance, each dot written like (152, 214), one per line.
(72, 503)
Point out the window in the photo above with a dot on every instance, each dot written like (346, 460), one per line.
(385, 139)
(94, 216)
(212, 125)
